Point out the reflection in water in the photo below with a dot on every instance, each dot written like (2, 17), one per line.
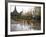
(27, 18)
(23, 25)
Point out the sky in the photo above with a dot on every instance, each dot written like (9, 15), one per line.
(25, 9)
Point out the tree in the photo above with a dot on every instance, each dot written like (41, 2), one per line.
(37, 11)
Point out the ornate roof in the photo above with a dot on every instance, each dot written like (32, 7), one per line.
(15, 12)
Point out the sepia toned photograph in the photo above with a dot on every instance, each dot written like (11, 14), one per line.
(25, 18)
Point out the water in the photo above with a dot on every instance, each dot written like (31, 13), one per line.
(19, 27)
(23, 26)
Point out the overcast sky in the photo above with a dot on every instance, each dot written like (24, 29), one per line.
(25, 9)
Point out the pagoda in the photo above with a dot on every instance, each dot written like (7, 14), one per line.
(14, 13)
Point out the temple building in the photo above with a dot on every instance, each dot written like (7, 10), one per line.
(14, 13)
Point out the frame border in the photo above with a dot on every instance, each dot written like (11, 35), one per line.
(6, 17)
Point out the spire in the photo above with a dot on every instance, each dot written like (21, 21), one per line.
(15, 11)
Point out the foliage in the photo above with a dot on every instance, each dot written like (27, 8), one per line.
(37, 13)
